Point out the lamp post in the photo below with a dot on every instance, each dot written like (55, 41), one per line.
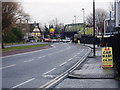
(73, 24)
(75, 21)
(84, 23)
(94, 27)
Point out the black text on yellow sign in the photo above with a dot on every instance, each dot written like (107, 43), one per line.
(107, 57)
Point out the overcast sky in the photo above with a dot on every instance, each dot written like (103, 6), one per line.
(44, 11)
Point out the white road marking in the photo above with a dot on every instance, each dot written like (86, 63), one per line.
(41, 57)
(62, 64)
(8, 66)
(70, 59)
(75, 56)
(23, 83)
(29, 60)
(49, 71)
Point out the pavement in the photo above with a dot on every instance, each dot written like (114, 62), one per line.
(91, 75)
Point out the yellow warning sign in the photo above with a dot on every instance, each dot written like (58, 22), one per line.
(107, 57)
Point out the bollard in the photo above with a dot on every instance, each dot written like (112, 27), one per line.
(78, 41)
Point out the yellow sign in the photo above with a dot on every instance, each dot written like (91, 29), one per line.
(107, 57)
(52, 30)
(78, 41)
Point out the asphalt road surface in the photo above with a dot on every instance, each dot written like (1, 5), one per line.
(34, 69)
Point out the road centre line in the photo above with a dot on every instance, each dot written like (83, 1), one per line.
(41, 57)
(49, 71)
(62, 64)
(70, 59)
(23, 83)
(75, 56)
(28, 60)
(8, 66)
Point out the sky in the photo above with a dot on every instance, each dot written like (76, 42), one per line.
(44, 11)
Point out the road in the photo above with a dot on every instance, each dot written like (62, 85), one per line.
(34, 69)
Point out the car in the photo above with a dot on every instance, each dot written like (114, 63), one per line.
(47, 40)
(66, 40)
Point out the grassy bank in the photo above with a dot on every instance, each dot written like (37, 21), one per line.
(23, 47)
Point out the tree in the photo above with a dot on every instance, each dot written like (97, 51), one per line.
(11, 12)
(14, 35)
(100, 16)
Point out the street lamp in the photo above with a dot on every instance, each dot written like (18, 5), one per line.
(75, 19)
(75, 22)
(84, 23)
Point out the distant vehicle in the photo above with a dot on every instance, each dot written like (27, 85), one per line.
(47, 40)
(54, 40)
(66, 40)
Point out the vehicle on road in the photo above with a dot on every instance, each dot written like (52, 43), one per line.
(47, 40)
(66, 40)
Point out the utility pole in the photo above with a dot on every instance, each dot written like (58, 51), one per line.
(94, 27)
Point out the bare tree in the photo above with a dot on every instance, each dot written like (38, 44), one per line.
(100, 16)
(89, 19)
(11, 12)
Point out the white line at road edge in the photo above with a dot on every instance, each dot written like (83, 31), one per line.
(8, 66)
(23, 83)
(29, 52)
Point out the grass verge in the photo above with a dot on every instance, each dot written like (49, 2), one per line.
(22, 47)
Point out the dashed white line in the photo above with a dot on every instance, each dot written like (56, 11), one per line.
(70, 59)
(23, 83)
(49, 71)
(41, 57)
(8, 66)
(62, 64)
(75, 56)
(29, 60)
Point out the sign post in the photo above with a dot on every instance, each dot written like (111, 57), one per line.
(107, 57)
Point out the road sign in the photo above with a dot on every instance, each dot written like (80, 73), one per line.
(107, 57)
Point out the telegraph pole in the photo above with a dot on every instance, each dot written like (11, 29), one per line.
(94, 27)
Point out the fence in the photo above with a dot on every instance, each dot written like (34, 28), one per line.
(114, 42)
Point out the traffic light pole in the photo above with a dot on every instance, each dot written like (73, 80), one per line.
(94, 27)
